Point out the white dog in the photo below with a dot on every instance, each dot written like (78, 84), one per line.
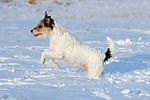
(67, 49)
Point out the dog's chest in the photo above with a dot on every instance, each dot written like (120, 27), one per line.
(54, 45)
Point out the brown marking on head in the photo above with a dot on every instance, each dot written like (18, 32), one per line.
(44, 27)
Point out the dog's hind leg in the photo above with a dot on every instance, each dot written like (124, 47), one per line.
(54, 64)
(96, 69)
(84, 67)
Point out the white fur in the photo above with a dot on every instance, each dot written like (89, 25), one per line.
(112, 45)
(65, 48)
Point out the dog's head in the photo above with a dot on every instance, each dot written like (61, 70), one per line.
(44, 27)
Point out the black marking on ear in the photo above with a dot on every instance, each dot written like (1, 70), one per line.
(50, 23)
(107, 55)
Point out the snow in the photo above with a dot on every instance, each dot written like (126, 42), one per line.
(127, 74)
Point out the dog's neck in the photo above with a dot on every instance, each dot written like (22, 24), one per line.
(59, 34)
(58, 30)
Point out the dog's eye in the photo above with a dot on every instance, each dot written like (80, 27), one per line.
(40, 26)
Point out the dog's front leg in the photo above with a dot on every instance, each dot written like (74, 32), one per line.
(53, 63)
(52, 54)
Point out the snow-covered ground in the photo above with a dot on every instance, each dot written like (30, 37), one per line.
(127, 74)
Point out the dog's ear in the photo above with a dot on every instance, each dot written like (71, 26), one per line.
(48, 21)
(46, 14)
(47, 18)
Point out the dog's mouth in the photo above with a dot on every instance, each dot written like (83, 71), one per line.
(38, 34)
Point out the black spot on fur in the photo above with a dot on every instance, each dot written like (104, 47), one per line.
(107, 55)
(50, 24)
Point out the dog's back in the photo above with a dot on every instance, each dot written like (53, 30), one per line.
(78, 54)
(67, 49)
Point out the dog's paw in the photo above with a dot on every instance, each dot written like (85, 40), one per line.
(56, 65)
(53, 63)
(42, 61)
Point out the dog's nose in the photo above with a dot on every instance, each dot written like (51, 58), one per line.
(31, 31)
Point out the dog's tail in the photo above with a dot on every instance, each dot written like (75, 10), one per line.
(111, 50)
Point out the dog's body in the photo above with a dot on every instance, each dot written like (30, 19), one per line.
(65, 48)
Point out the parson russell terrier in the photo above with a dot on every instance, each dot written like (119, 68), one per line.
(67, 49)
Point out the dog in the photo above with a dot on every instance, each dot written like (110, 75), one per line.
(67, 49)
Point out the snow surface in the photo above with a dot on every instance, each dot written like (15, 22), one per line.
(127, 74)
